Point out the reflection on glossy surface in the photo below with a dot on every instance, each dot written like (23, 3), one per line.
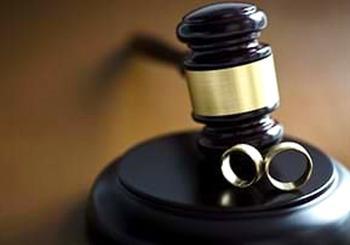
(226, 199)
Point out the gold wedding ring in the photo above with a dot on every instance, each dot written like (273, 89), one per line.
(291, 185)
(263, 164)
(231, 176)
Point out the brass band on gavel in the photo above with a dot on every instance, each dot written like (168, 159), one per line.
(233, 90)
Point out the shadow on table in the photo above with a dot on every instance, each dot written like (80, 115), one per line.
(73, 228)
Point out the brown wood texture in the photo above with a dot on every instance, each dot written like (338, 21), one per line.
(63, 118)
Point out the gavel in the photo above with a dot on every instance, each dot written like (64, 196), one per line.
(240, 179)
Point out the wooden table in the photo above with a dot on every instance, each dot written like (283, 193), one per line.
(62, 120)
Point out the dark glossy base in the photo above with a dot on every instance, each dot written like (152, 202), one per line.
(164, 192)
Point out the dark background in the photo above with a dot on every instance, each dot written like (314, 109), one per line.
(64, 114)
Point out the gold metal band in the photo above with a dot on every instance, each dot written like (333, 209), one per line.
(233, 90)
(229, 173)
(289, 185)
(263, 164)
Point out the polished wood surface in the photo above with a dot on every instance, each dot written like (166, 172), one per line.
(63, 117)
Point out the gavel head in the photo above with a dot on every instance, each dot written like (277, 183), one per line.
(230, 76)
(223, 35)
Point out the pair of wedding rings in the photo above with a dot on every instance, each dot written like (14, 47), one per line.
(262, 165)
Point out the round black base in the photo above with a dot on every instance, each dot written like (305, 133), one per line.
(164, 192)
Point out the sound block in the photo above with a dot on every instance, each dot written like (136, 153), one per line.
(164, 191)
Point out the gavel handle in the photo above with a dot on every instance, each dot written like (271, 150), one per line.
(144, 44)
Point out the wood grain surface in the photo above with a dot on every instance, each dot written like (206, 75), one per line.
(63, 118)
